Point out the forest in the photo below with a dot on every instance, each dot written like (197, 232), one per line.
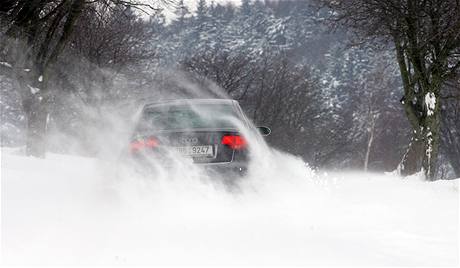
(336, 85)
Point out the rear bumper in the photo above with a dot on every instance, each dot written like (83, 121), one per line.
(149, 163)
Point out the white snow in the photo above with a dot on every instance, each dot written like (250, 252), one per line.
(429, 149)
(74, 210)
(33, 90)
(40, 78)
(430, 102)
(6, 64)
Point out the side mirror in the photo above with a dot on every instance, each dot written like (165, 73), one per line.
(264, 131)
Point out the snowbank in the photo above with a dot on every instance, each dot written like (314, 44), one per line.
(74, 210)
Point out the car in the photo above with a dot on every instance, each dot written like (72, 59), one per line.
(213, 133)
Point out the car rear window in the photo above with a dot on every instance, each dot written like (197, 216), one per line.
(186, 116)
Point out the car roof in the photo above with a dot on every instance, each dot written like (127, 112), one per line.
(191, 101)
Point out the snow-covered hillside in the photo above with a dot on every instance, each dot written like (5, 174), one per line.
(74, 210)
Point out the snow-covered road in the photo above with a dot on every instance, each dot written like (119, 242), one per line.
(75, 210)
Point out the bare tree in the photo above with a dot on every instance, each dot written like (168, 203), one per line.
(373, 105)
(426, 38)
(37, 31)
(233, 73)
(34, 34)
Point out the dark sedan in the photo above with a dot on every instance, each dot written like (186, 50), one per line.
(209, 131)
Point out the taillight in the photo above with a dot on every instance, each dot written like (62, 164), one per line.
(139, 145)
(235, 142)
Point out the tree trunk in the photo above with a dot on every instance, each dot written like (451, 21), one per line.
(455, 163)
(370, 141)
(34, 95)
(432, 125)
(36, 126)
(412, 160)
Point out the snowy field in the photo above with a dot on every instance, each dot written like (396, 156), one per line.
(75, 210)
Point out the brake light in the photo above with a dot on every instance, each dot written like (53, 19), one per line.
(138, 145)
(235, 142)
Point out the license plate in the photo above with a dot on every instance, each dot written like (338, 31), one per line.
(202, 150)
